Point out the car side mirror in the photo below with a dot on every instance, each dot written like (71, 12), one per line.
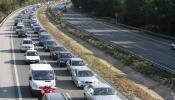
(30, 78)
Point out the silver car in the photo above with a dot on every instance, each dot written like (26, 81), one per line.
(54, 96)
(74, 63)
(100, 91)
(27, 44)
(83, 76)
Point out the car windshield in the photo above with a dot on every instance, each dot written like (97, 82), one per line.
(32, 54)
(43, 75)
(78, 63)
(45, 37)
(38, 28)
(85, 73)
(41, 30)
(35, 24)
(66, 55)
(27, 42)
(104, 91)
(51, 43)
(59, 49)
(21, 31)
(19, 27)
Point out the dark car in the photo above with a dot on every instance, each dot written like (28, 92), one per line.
(48, 44)
(35, 25)
(17, 20)
(64, 10)
(36, 29)
(42, 30)
(54, 51)
(22, 33)
(63, 57)
(54, 96)
(43, 38)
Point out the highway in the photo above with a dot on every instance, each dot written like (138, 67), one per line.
(151, 48)
(14, 72)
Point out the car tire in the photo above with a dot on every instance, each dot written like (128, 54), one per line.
(85, 97)
(31, 91)
(59, 65)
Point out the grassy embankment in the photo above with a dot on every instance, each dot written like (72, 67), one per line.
(103, 68)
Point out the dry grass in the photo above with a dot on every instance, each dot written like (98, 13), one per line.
(106, 70)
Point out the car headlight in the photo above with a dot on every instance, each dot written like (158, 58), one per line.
(35, 85)
(53, 84)
(61, 61)
(81, 82)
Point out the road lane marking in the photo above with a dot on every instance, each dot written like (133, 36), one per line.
(68, 96)
(15, 68)
(45, 61)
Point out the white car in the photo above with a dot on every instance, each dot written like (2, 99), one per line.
(84, 76)
(173, 46)
(27, 44)
(41, 75)
(75, 63)
(20, 26)
(31, 56)
(100, 91)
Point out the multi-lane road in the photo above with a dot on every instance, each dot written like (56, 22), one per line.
(151, 48)
(14, 72)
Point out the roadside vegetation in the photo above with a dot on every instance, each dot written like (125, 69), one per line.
(154, 15)
(137, 64)
(103, 68)
(7, 6)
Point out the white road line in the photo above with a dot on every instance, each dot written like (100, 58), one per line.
(15, 69)
(45, 61)
(68, 96)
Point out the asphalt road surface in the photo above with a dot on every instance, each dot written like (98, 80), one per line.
(14, 72)
(152, 48)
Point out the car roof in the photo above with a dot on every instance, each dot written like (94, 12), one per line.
(83, 68)
(37, 26)
(58, 45)
(31, 51)
(27, 39)
(75, 59)
(40, 67)
(48, 40)
(20, 24)
(55, 96)
(101, 85)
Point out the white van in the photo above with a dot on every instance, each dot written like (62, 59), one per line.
(41, 75)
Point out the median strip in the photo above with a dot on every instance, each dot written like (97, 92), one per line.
(102, 67)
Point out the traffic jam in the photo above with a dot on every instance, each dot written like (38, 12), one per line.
(42, 78)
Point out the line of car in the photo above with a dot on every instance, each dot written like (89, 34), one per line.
(41, 75)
